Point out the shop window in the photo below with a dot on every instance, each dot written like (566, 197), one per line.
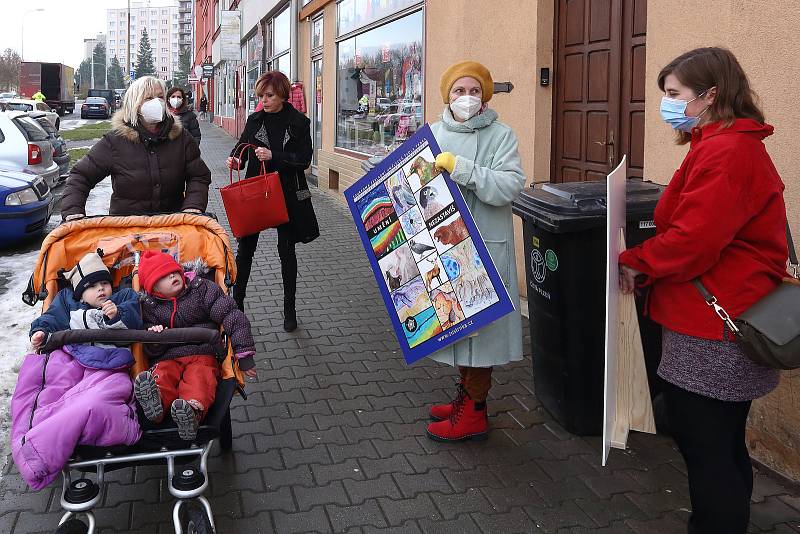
(255, 53)
(316, 33)
(354, 14)
(379, 86)
(282, 33)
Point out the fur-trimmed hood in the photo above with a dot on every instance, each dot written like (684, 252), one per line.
(125, 130)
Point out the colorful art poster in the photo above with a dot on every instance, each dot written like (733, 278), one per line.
(431, 264)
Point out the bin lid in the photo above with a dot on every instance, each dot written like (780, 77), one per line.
(573, 206)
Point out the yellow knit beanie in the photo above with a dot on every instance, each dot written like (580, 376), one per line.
(473, 69)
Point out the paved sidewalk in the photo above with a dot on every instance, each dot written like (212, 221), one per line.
(332, 439)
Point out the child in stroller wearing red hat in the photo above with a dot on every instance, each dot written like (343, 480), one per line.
(183, 379)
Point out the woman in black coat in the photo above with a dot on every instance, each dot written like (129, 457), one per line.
(282, 136)
(178, 106)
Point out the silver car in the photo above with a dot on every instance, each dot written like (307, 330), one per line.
(24, 146)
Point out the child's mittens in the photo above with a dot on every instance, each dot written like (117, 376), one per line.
(245, 360)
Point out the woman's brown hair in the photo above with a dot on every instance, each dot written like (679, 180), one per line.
(703, 68)
(276, 80)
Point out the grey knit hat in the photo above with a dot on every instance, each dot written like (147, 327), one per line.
(89, 270)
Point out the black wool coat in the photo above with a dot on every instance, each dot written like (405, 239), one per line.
(290, 162)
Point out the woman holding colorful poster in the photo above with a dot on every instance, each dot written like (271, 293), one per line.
(481, 156)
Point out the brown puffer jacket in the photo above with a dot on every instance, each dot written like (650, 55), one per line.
(162, 173)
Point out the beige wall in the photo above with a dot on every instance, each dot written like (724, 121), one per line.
(513, 39)
(764, 36)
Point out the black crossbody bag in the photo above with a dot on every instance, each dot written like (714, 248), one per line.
(769, 330)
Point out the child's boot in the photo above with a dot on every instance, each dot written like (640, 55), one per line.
(186, 417)
(147, 395)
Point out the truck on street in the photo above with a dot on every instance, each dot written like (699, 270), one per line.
(55, 80)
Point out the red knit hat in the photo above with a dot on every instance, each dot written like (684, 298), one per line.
(155, 265)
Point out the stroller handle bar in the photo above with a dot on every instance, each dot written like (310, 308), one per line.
(194, 335)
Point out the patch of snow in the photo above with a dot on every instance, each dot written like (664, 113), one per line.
(16, 268)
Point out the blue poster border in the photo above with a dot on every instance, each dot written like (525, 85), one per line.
(393, 162)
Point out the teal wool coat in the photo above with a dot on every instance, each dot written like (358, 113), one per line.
(489, 174)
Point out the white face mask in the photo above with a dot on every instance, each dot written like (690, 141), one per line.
(175, 102)
(153, 110)
(465, 107)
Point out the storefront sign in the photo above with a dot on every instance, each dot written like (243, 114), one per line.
(208, 71)
(385, 56)
(433, 270)
(230, 35)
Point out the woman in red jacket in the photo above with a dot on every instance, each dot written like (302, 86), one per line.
(722, 219)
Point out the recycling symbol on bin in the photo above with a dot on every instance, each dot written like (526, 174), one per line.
(538, 266)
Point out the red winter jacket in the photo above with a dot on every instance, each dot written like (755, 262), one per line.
(722, 216)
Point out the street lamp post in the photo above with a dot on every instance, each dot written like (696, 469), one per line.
(22, 32)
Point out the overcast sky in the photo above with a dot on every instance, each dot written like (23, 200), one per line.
(57, 33)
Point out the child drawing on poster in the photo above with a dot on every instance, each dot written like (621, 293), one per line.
(400, 193)
(448, 309)
(471, 282)
(412, 222)
(398, 267)
(416, 313)
(434, 198)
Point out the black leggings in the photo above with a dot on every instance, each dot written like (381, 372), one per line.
(710, 434)
(244, 264)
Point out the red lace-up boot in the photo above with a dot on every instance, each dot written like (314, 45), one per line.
(440, 412)
(467, 420)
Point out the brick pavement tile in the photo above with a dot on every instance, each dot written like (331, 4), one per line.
(334, 435)
(479, 477)
(116, 493)
(388, 401)
(362, 449)
(772, 511)
(606, 511)
(266, 442)
(411, 485)
(397, 511)
(377, 431)
(258, 460)
(394, 464)
(766, 486)
(277, 478)
(283, 397)
(257, 501)
(409, 527)
(528, 473)
(415, 428)
(461, 525)
(319, 407)
(387, 449)
(566, 515)
(367, 377)
(261, 523)
(504, 499)
(317, 454)
(452, 505)
(289, 384)
(387, 415)
(223, 482)
(563, 449)
(425, 462)
(325, 392)
(317, 369)
(560, 469)
(614, 528)
(333, 493)
(336, 379)
(607, 485)
(314, 520)
(668, 524)
(368, 513)
(514, 522)
(362, 490)
(7, 521)
(304, 422)
(660, 478)
(407, 386)
(565, 489)
(30, 502)
(658, 503)
(324, 474)
(338, 419)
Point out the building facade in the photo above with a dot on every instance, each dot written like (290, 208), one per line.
(162, 23)
(585, 94)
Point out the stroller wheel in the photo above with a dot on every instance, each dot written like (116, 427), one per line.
(194, 519)
(73, 526)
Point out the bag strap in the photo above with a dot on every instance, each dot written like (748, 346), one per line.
(711, 300)
(242, 148)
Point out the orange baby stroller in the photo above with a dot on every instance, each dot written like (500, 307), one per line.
(120, 241)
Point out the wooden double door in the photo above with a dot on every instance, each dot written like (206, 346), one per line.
(599, 88)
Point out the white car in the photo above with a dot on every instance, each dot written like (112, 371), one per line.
(19, 104)
(26, 147)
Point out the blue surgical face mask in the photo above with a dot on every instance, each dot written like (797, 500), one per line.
(673, 111)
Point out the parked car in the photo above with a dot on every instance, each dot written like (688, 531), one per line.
(26, 147)
(19, 104)
(60, 153)
(97, 107)
(7, 96)
(26, 204)
(108, 94)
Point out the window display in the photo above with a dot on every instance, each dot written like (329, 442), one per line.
(255, 51)
(354, 14)
(379, 86)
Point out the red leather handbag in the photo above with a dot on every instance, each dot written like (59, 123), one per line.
(254, 204)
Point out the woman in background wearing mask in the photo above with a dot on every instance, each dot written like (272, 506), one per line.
(154, 163)
(178, 106)
(721, 219)
(481, 156)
